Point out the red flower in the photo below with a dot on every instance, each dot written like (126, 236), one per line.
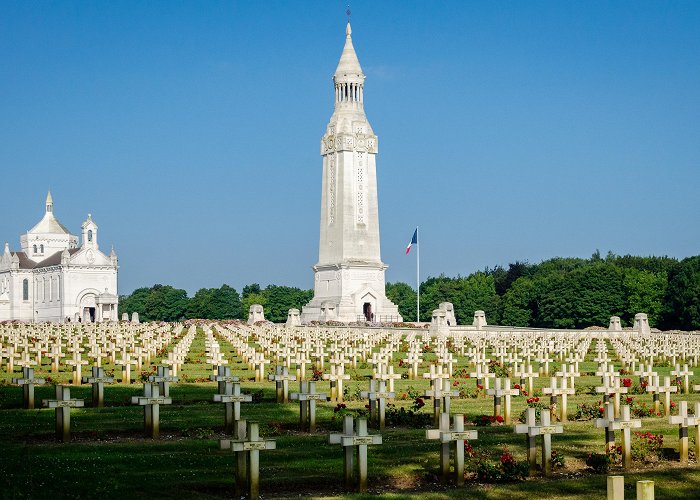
(499, 419)
(627, 382)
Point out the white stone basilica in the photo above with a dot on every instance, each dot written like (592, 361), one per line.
(349, 276)
(54, 279)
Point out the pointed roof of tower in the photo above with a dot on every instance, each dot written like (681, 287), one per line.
(349, 64)
(88, 221)
(49, 223)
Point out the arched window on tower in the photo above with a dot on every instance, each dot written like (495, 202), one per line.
(34, 248)
(42, 248)
(25, 289)
(89, 234)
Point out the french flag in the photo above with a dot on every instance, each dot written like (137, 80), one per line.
(414, 241)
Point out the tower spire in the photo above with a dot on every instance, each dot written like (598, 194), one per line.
(49, 202)
(349, 78)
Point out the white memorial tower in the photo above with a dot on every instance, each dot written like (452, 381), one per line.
(349, 275)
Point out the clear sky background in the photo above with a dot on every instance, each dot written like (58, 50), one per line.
(507, 130)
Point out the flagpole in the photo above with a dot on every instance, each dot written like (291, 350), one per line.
(417, 277)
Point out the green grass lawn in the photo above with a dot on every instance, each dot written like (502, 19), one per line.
(109, 457)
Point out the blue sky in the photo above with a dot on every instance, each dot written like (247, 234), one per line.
(507, 130)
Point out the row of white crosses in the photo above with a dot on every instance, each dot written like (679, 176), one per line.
(176, 357)
(78, 346)
(212, 350)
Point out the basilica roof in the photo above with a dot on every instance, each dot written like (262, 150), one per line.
(24, 261)
(49, 224)
(54, 259)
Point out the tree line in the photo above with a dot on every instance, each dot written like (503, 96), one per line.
(567, 293)
(556, 293)
(165, 303)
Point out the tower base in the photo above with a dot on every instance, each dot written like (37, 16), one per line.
(348, 293)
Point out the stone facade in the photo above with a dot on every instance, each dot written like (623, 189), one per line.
(349, 280)
(54, 279)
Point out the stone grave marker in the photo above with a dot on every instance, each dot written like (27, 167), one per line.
(377, 401)
(77, 363)
(63, 403)
(336, 378)
(444, 426)
(666, 389)
(558, 392)
(350, 440)
(683, 374)
(282, 379)
(307, 397)
(251, 446)
(626, 424)
(532, 430)
(28, 381)
(457, 436)
(645, 490)
(98, 381)
(606, 422)
(502, 390)
(151, 401)
(441, 392)
(616, 486)
(525, 373)
(163, 379)
(232, 399)
(684, 421)
(240, 432)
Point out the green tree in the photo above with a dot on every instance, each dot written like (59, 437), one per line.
(503, 279)
(519, 303)
(681, 308)
(280, 299)
(215, 303)
(476, 292)
(250, 289)
(403, 296)
(644, 292)
(586, 296)
(134, 303)
(165, 303)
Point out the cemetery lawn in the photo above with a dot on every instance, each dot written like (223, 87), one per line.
(109, 457)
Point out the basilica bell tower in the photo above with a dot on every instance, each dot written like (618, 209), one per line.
(349, 276)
